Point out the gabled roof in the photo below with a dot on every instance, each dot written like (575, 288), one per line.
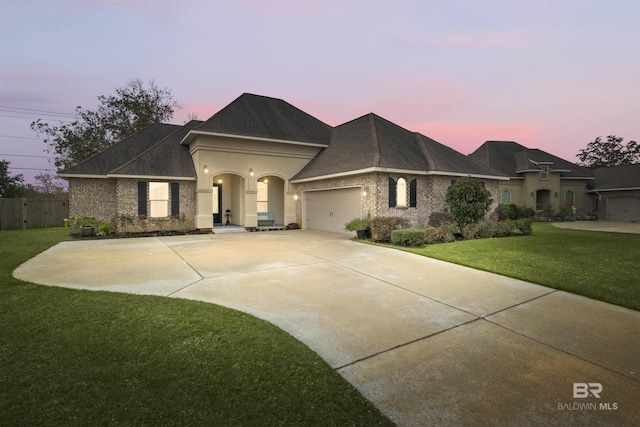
(165, 159)
(268, 118)
(625, 177)
(513, 159)
(122, 152)
(371, 143)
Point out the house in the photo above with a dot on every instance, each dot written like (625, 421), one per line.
(617, 193)
(537, 179)
(261, 154)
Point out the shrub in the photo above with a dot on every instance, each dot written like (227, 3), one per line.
(503, 229)
(468, 201)
(486, 229)
(410, 237)
(511, 211)
(436, 219)
(432, 235)
(357, 224)
(448, 233)
(382, 226)
(524, 226)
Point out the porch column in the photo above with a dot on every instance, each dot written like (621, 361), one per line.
(204, 208)
(251, 208)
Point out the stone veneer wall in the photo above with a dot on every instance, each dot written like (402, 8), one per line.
(430, 197)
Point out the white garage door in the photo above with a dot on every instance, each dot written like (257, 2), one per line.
(329, 210)
(623, 209)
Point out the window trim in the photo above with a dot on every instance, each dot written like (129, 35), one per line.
(544, 172)
(502, 193)
(573, 197)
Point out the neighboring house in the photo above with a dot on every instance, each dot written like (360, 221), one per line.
(617, 193)
(538, 179)
(261, 154)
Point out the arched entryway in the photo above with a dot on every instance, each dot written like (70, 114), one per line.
(228, 199)
(543, 200)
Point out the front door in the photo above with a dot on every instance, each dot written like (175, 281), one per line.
(217, 204)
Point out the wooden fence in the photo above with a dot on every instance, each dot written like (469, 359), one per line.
(18, 214)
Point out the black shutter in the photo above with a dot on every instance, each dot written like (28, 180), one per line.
(175, 199)
(393, 199)
(142, 198)
(413, 193)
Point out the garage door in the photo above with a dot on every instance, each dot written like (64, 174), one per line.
(329, 210)
(623, 209)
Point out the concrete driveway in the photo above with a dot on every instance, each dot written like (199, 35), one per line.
(428, 342)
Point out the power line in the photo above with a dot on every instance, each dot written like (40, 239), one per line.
(34, 111)
(19, 137)
(31, 118)
(33, 169)
(25, 155)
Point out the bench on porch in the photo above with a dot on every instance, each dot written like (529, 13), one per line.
(266, 219)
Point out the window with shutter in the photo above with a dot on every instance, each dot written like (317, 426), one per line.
(392, 193)
(413, 193)
(142, 198)
(175, 199)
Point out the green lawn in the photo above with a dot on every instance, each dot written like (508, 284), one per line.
(604, 266)
(71, 357)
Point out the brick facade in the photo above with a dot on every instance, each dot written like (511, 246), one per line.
(430, 194)
(116, 200)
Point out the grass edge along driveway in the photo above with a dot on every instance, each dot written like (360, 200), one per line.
(72, 357)
(598, 265)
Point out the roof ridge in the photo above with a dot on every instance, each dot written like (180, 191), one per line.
(375, 141)
(423, 149)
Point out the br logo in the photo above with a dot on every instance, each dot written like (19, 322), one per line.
(584, 390)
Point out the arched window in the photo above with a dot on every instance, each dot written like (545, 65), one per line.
(505, 197)
(568, 196)
(401, 194)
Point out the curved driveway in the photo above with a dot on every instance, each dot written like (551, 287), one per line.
(427, 341)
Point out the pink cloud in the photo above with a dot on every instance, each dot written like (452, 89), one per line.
(487, 40)
(467, 137)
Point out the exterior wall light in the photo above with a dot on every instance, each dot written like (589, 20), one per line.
(250, 172)
(365, 191)
(220, 181)
(295, 197)
(206, 169)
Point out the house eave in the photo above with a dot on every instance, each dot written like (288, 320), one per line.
(82, 175)
(377, 169)
(598, 190)
(154, 177)
(193, 133)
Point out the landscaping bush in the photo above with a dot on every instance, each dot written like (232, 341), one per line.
(409, 237)
(381, 227)
(468, 200)
(437, 219)
(503, 228)
(524, 226)
(511, 211)
(444, 234)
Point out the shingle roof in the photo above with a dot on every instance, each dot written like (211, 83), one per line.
(264, 117)
(122, 152)
(510, 157)
(166, 158)
(373, 142)
(617, 177)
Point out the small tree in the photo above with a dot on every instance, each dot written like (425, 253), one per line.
(468, 201)
(10, 185)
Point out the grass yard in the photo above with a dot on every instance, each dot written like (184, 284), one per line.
(603, 266)
(71, 357)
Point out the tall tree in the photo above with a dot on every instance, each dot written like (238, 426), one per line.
(612, 152)
(10, 185)
(118, 116)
